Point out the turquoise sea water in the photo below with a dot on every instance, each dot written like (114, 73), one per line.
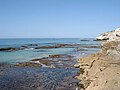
(44, 78)
(30, 53)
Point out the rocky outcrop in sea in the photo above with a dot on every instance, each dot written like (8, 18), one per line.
(101, 71)
(112, 35)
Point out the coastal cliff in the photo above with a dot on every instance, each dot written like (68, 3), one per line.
(101, 71)
(112, 35)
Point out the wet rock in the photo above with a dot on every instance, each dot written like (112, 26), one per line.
(90, 46)
(43, 61)
(58, 46)
(46, 47)
(13, 48)
(84, 40)
(49, 47)
(8, 49)
(32, 44)
(24, 46)
(60, 56)
(29, 64)
(58, 60)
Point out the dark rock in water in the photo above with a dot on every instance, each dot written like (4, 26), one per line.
(8, 49)
(90, 46)
(29, 64)
(24, 46)
(56, 56)
(60, 56)
(56, 61)
(32, 44)
(68, 45)
(58, 46)
(43, 61)
(49, 47)
(46, 47)
(102, 39)
(13, 49)
(85, 40)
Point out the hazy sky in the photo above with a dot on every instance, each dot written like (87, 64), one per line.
(57, 18)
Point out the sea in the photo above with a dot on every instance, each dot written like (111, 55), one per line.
(13, 77)
(31, 53)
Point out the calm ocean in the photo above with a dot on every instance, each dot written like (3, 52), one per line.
(30, 53)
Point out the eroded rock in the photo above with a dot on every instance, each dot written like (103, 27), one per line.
(53, 61)
(101, 70)
(112, 35)
(29, 64)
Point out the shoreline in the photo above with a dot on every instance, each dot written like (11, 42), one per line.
(53, 71)
(56, 78)
(100, 71)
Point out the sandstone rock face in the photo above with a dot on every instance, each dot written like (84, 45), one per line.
(112, 35)
(101, 71)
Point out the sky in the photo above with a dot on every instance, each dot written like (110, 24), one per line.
(58, 18)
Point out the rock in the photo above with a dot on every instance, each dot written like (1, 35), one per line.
(47, 47)
(58, 46)
(13, 48)
(29, 64)
(77, 66)
(55, 61)
(90, 46)
(56, 56)
(60, 56)
(24, 46)
(100, 71)
(32, 44)
(43, 61)
(8, 49)
(112, 35)
(18, 48)
(84, 40)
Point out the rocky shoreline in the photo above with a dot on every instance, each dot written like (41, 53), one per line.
(52, 61)
(37, 47)
(101, 71)
(54, 72)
